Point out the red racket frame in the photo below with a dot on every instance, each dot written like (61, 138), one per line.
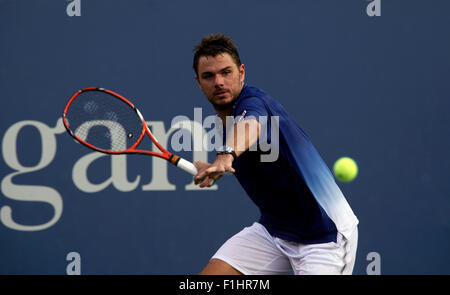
(132, 150)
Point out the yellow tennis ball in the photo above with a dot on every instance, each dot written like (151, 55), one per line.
(345, 169)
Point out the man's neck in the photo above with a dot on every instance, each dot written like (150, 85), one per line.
(223, 113)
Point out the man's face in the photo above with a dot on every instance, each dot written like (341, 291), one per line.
(220, 79)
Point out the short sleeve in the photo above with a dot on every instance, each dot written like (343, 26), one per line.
(250, 107)
(254, 107)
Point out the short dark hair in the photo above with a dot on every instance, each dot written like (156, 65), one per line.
(214, 45)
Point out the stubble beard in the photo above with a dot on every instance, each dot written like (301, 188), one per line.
(228, 106)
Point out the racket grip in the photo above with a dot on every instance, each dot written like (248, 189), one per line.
(186, 166)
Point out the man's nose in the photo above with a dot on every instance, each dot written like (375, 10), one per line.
(218, 80)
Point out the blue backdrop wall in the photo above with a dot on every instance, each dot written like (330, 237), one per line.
(375, 88)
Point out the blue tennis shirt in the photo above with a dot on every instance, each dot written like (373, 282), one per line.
(297, 195)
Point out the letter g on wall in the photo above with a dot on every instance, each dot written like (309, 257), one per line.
(29, 193)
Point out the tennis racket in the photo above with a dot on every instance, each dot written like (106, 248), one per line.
(107, 122)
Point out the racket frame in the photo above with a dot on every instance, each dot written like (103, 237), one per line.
(174, 159)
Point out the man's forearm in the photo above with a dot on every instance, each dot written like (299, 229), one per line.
(243, 135)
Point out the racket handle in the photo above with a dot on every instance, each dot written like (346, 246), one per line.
(186, 166)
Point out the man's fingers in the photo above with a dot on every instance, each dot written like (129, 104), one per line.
(199, 177)
(231, 169)
(203, 177)
(209, 176)
(202, 174)
(200, 165)
(208, 172)
(206, 182)
(210, 180)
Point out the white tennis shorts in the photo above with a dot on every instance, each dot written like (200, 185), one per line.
(253, 251)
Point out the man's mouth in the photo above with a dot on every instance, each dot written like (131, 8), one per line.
(220, 92)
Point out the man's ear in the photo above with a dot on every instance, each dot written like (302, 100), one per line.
(242, 72)
(196, 79)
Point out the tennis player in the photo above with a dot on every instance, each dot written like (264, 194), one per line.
(306, 225)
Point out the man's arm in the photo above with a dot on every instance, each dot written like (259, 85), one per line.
(241, 137)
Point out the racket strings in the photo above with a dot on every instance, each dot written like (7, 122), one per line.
(104, 121)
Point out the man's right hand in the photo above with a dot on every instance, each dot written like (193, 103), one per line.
(209, 173)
